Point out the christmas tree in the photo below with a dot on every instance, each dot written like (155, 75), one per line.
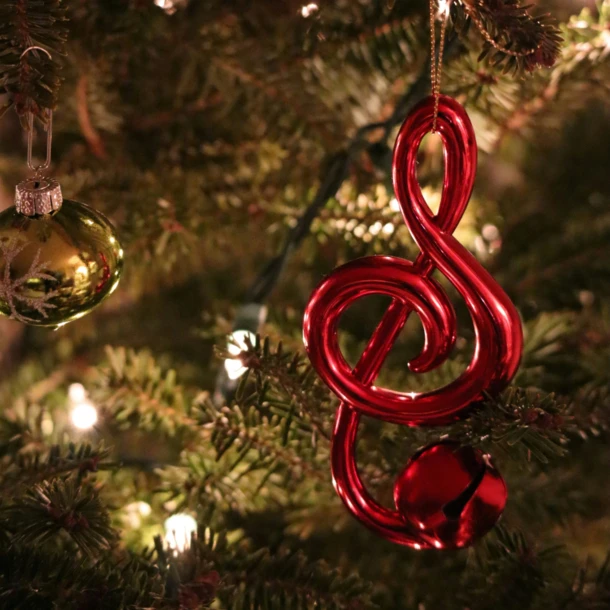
(171, 449)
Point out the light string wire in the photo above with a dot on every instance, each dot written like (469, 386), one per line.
(336, 173)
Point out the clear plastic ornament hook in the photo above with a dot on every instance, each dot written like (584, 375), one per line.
(49, 127)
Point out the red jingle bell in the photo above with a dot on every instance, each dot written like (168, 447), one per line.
(450, 494)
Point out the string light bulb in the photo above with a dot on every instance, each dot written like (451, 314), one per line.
(249, 319)
(179, 529)
(307, 10)
(82, 412)
(170, 6)
(237, 344)
(135, 512)
(443, 8)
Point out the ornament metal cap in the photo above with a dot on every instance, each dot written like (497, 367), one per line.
(37, 196)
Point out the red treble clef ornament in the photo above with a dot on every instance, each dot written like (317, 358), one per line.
(447, 495)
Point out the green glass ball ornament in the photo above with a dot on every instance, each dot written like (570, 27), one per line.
(59, 259)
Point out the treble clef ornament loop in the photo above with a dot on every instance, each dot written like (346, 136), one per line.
(447, 495)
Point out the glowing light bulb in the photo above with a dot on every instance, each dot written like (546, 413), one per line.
(237, 344)
(586, 298)
(490, 232)
(394, 205)
(84, 416)
(77, 392)
(178, 531)
(170, 6)
(479, 245)
(309, 9)
(166, 5)
(141, 508)
(82, 273)
(83, 413)
(375, 228)
(134, 513)
(443, 8)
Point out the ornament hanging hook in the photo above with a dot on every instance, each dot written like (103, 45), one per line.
(436, 66)
(49, 126)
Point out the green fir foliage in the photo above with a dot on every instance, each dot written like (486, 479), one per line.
(205, 130)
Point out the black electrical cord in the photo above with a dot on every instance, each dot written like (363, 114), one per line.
(336, 173)
(253, 312)
(267, 279)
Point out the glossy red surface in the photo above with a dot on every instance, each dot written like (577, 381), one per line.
(498, 334)
(451, 494)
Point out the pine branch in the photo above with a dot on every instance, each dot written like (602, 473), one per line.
(32, 79)
(536, 424)
(583, 51)
(546, 339)
(530, 424)
(589, 591)
(511, 572)
(92, 136)
(243, 456)
(62, 506)
(22, 421)
(286, 382)
(514, 39)
(502, 105)
(277, 441)
(228, 455)
(37, 579)
(589, 411)
(245, 579)
(27, 469)
(520, 424)
(134, 389)
(284, 100)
